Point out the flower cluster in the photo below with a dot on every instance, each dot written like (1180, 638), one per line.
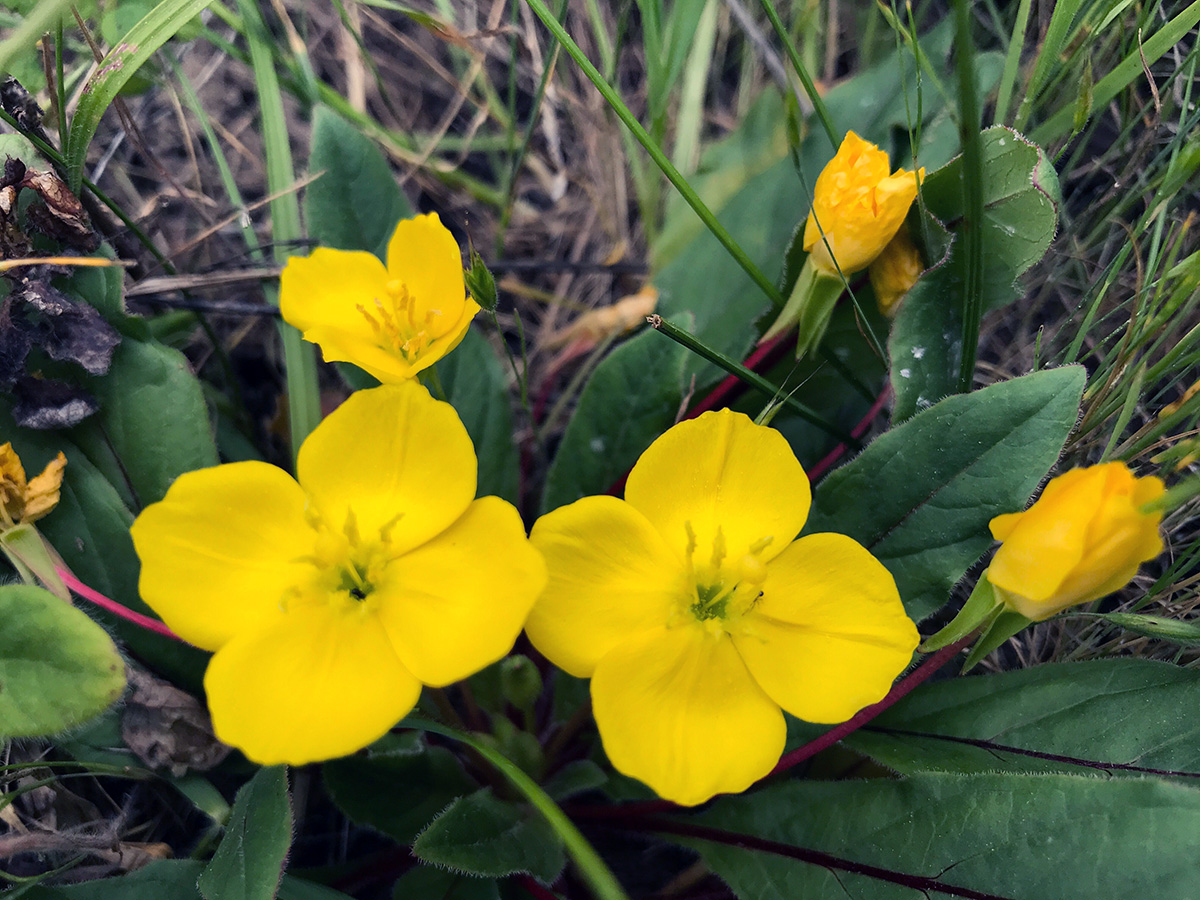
(700, 617)
(857, 213)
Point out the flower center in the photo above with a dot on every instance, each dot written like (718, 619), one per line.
(400, 323)
(347, 567)
(722, 590)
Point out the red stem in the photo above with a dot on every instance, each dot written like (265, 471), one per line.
(114, 607)
(536, 890)
(764, 355)
(858, 431)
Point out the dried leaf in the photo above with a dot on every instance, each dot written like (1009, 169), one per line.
(168, 728)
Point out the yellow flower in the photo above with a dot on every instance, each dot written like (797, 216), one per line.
(894, 271)
(697, 616)
(1084, 538)
(331, 601)
(22, 501)
(394, 321)
(858, 205)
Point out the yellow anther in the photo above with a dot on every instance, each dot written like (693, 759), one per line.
(751, 570)
(760, 545)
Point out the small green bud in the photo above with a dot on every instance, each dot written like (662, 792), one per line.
(480, 282)
(520, 681)
(519, 746)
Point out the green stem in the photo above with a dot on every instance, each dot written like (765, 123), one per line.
(304, 407)
(972, 188)
(751, 378)
(514, 169)
(595, 872)
(660, 159)
(802, 71)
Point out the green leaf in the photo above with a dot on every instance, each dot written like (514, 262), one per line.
(428, 883)
(575, 777)
(629, 400)
(356, 203)
(121, 63)
(1022, 837)
(168, 879)
(249, 862)
(153, 423)
(1020, 216)
(398, 787)
(1129, 712)
(162, 879)
(90, 530)
(481, 835)
(476, 387)
(58, 668)
(921, 495)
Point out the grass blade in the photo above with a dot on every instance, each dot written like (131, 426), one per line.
(122, 62)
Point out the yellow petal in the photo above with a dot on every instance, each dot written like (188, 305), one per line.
(829, 634)
(677, 709)
(857, 207)
(42, 492)
(12, 483)
(425, 257)
(457, 603)
(326, 289)
(316, 684)
(220, 550)
(391, 459)
(611, 578)
(1046, 542)
(721, 471)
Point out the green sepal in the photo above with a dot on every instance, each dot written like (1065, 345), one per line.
(33, 559)
(809, 308)
(480, 282)
(1000, 629)
(979, 609)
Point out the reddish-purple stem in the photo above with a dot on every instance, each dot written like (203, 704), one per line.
(114, 607)
(535, 889)
(858, 431)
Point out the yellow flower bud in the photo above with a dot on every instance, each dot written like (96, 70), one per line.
(894, 271)
(858, 205)
(1084, 538)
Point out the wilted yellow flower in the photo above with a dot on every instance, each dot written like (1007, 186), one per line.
(331, 601)
(858, 206)
(697, 616)
(391, 321)
(894, 271)
(22, 501)
(1084, 538)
